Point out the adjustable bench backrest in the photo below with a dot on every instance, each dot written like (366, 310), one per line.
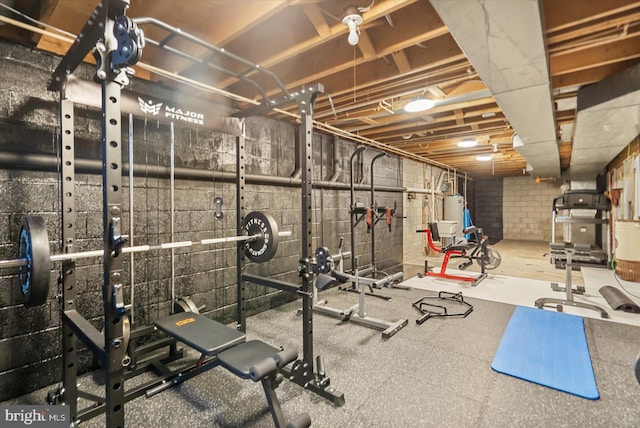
(253, 360)
(207, 336)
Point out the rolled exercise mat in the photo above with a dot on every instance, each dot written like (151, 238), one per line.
(618, 300)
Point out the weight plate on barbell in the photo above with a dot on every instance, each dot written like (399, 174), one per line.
(265, 228)
(34, 247)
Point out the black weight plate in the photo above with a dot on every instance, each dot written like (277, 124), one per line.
(34, 247)
(264, 247)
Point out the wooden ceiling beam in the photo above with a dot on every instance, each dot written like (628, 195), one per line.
(426, 132)
(401, 61)
(591, 57)
(379, 10)
(366, 46)
(236, 24)
(308, 68)
(316, 18)
(339, 78)
(411, 117)
(426, 126)
(589, 76)
(560, 15)
(587, 33)
(459, 116)
(390, 87)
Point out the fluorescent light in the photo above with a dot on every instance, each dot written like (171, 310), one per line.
(419, 104)
(484, 158)
(467, 142)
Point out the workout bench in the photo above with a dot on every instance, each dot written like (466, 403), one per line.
(227, 347)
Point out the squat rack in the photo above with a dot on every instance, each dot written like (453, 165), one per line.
(117, 44)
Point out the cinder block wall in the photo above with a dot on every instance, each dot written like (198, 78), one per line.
(30, 338)
(527, 209)
(488, 207)
(413, 210)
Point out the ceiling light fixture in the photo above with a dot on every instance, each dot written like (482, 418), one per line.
(467, 143)
(353, 20)
(419, 104)
(484, 158)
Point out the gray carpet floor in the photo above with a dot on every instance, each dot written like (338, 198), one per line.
(434, 374)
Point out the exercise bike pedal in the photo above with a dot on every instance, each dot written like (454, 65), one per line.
(465, 265)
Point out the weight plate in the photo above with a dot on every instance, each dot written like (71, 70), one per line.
(494, 259)
(34, 247)
(184, 304)
(126, 336)
(265, 228)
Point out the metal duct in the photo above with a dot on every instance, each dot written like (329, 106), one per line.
(504, 41)
(607, 119)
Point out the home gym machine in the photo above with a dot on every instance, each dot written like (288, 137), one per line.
(372, 215)
(117, 43)
(486, 258)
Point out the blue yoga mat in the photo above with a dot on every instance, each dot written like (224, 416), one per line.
(547, 348)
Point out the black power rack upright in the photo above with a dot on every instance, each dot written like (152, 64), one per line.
(117, 44)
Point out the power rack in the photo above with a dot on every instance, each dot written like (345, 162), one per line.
(117, 43)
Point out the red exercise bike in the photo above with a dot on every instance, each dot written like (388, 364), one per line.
(487, 258)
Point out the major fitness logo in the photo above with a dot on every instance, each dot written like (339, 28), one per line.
(148, 107)
(36, 416)
(170, 112)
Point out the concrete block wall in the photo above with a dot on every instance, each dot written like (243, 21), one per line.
(527, 208)
(30, 338)
(426, 207)
(413, 210)
(487, 209)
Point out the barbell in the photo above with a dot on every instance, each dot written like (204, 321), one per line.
(261, 237)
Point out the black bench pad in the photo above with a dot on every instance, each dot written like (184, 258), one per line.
(458, 247)
(239, 359)
(201, 333)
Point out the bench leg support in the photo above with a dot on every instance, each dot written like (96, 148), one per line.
(272, 399)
